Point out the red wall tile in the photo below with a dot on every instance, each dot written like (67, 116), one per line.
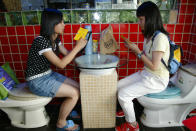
(181, 18)
(21, 39)
(3, 31)
(30, 39)
(122, 72)
(20, 30)
(11, 30)
(187, 29)
(6, 49)
(67, 28)
(16, 57)
(125, 35)
(186, 38)
(132, 64)
(179, 28)
(23, 48)
(75, 28)
(133, 28)
(4, 40)
(124, 28)
(191, 1)
(178, 37)
(104, 26)
(141, 38)
(189, 19)
(115, 28)
(7, 57)
(67, 38)
(29, 30)
(133, 37)
(13, 40)
(170, 28)
(95, 28)
(183, 1)
(190, 9)
(37, 29)
(183, 8)
(14, 49)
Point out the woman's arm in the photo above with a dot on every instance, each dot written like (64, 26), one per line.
(156, 56)
(63, 50)
(62, 63)
(155, 62)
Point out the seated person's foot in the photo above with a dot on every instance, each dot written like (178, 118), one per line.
(120, 113)
(70, 126)
(127, 127)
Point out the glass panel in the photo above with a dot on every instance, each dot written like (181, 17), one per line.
(39, 13)
(80, 16)
(96, 11)
(127, 16)
(2, 19)
(14, 18)
(98, 17)
(30, 18)
(66, 16)
(112, 17)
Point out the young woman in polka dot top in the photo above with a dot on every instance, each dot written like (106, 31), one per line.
(44, 52)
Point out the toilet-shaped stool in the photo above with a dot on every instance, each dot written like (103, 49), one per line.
(24, 109)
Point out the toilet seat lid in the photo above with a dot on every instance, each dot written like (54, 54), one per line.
(22, 92)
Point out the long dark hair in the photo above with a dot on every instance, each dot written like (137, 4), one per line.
(50, 18)
(153, 20)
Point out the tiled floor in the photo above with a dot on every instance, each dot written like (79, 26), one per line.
(53, 109)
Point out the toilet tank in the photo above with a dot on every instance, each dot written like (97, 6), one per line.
(186, 79)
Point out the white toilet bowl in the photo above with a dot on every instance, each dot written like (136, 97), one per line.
(25, 109)
(172, 111)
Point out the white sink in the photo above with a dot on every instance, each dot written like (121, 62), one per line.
(97, 62)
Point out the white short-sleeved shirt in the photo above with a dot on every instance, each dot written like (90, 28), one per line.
(37, 63)
(160, 43)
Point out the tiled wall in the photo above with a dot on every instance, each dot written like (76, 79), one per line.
(192, 45)
(15, 41)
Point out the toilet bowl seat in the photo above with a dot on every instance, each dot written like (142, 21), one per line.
(176, 100)
(21, 96)
(22, 93)
(171, 91)
(16, 103)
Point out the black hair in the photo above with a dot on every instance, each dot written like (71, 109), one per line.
(153, 20)
(50, 18)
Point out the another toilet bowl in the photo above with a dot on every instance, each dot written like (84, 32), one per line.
(171, 111)
(25, 109)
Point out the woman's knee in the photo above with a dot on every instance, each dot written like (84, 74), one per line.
(123, 95)
(120, 95)
(76, 93)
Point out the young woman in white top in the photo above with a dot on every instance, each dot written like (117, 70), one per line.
(154, 77)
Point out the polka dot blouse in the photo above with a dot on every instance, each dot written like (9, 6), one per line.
(37, 63)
